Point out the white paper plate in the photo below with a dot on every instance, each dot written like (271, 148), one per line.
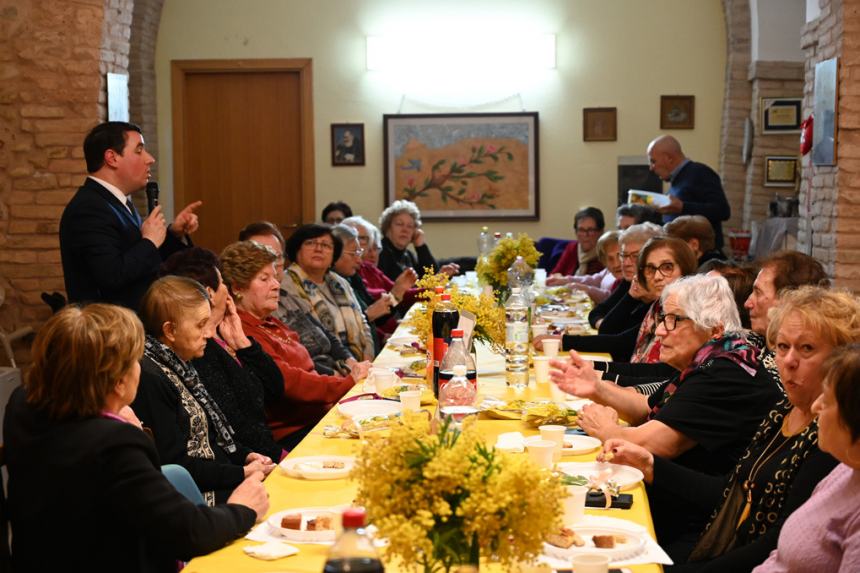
(311, 467)
(325, 536)
(573, 445)
(405, 340)
(633, 544)
(625, 476)
(361, 409)
(647, 198)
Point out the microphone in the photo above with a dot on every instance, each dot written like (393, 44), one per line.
(151, 196)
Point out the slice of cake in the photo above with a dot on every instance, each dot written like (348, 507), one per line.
(292, 521)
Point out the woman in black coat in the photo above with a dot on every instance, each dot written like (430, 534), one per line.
(82, 473)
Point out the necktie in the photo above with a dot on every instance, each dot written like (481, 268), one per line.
(134, 215)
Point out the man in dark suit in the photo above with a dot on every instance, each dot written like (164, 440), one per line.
(694, 188)
(109, 254)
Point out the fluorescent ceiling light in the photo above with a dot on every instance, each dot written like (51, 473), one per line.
(452, 54)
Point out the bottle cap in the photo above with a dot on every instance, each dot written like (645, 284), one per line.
(446, 296)
(459, 370)
(516, 290)
(353, 517)
(456, 333)
(439, 289)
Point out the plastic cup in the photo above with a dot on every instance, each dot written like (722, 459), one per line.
(557, 394)
(539, 329)
(410, 400)
(590, 563)
(541, 364)
(555, 434)
(574, 504)
(382, 379)
(551, 346)
(541, 452)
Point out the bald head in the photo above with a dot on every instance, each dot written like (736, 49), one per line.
(664, 155)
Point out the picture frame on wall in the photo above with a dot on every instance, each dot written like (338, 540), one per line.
(599, 124)
(780, 114)
(347, 144)
(825, 97)
(780, 170)
(677, 112)
(464, 166)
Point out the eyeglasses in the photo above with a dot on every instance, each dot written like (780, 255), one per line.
(665, 269)
(355, 253)
(321, 245)
(363, 239)
(670, 320)
(634, 255)
(588, 231)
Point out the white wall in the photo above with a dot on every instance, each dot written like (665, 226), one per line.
(776, 29)
(612, 53)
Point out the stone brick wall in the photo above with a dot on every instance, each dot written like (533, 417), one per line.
(847, 267)
(768, 80)
(52, 91)
(821, 40)
(736, 106)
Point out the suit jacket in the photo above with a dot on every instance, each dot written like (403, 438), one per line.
(105, 258)
(701, 190)
(96, 483)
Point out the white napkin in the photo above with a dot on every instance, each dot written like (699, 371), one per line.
(270, 550)
(512, 442)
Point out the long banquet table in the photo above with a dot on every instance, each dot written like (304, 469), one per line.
(286, 492)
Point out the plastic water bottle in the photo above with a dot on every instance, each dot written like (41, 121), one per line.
(353, 551)
(457, 355)
(457, 396)
(485, 242)
(517, 340)
(520, 274)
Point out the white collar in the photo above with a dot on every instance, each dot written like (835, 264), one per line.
(113, 189)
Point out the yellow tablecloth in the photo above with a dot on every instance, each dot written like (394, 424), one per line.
(286, 492)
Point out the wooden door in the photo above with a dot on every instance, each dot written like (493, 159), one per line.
(243, 144)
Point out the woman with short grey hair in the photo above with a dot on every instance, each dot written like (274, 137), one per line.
(400, 224)
(706, 413)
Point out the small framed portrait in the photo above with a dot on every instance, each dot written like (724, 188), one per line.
(599, 124)
(780, 170)
(677, 112)
(347, 144)
(780, 115)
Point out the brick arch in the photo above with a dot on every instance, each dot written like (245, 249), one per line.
(141, 68)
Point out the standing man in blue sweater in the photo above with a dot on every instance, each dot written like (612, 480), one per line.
(694, 188)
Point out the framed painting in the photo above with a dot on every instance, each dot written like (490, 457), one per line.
(599, 124)
(780, 171)
(464, 165)
(347, 144)
(677, 112)
(825, 111)
(780, 115)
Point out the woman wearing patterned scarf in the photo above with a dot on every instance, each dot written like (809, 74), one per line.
(188, 426)
(782, 464)
(310, 282)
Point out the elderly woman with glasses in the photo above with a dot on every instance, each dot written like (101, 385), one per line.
(376, 281)
(706, 414)
(598, 286)
(311, 283)
(329, 354)
(661, 262)
(782, 464)
(401, 227)
(580, 257)
(249, 273)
